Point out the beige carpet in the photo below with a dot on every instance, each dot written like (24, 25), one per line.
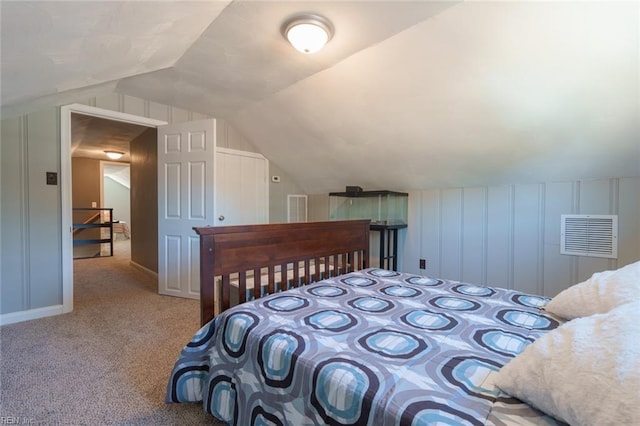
(108, 361)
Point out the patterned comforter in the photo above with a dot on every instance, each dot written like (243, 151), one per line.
(373, 347)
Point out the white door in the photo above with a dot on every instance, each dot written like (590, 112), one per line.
(242, 188)
(186, 182)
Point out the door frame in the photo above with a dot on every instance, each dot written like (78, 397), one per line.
(66, 183)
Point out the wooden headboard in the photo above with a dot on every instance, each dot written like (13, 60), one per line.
(281, 255)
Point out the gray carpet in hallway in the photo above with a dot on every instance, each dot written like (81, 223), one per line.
(108, 361)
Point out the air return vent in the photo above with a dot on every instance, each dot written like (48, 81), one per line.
(589, 235)
(296, 208)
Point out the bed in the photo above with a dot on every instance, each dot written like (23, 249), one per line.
(324, 339)
(120, 227)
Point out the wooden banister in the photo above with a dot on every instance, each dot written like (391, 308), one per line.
(91, 219)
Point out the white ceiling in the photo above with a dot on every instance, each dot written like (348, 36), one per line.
(406, 95)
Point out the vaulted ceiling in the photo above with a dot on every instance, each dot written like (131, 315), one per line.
(406, 95)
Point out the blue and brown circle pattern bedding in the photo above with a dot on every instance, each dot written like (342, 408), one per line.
(373, 347)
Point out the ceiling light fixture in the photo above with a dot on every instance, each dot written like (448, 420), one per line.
(308, 33)
(114, 155)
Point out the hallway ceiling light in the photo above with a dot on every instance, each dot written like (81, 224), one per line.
(308, 33)
(114, 155)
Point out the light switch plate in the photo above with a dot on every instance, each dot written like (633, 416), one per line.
(52, 178)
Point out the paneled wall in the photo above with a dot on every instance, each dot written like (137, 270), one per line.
(30, 238)
(226, 137)
(509, 236)
(30, 210)
(278, 192)
(142, 108)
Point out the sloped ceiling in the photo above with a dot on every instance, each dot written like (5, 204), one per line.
(406, 95)
(120, 173)
(50, 46)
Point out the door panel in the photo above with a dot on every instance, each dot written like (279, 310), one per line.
(186, 160)
(242, 188)
(193, 177)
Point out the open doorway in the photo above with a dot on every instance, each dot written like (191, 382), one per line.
(89, 132)
(101, 203)
(116, 194)
(101, 181)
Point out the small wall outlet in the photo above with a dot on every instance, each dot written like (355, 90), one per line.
(275, 179)
(423, 264)
(94, 204)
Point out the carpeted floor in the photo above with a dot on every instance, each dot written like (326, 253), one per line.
(108, 361)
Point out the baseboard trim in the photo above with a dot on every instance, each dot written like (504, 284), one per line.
(30, 314)
(147, 271)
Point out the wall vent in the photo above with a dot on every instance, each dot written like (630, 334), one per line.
(296, 208)
(589, 235)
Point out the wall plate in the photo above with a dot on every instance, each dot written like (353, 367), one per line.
(52, 178)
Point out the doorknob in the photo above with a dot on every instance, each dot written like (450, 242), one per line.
(221, 218)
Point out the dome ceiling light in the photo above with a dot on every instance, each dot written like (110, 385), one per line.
(308, 33)
(114, 155)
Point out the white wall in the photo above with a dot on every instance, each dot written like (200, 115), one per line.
(30, 234)
(509, 236)
(117, 197)
(278, 192)
(30, 210)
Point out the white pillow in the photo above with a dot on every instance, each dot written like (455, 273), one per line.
(585, 372)
(599, 294)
